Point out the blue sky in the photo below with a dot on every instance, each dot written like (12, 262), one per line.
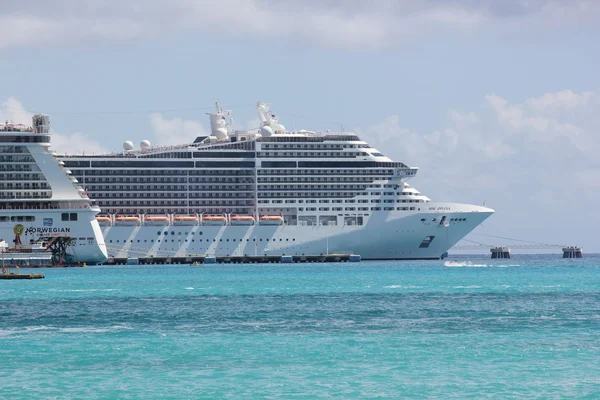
(493, 100)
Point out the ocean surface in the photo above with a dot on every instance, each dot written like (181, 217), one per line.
(528, 327)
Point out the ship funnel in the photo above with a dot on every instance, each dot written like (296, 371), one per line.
(218, 123)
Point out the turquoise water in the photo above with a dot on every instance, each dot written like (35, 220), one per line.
(520, 328)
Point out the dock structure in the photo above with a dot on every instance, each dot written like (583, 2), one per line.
(500, 252)
(246, 259)
(15, 273)
(572, 252)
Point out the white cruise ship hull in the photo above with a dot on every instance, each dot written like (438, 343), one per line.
(87, 240)
(394, 235)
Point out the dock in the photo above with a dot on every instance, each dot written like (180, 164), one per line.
(15, 273)
(246, 259)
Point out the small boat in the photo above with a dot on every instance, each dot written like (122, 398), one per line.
(186, 220)
(214, 220)
(241, 220)
(104, 220)
(128, 221)
(156, 220)
(271, 220)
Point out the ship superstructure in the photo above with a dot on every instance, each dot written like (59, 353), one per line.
(267, 191)
(39, 199)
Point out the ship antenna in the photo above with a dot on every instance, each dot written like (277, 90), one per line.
(219, 110)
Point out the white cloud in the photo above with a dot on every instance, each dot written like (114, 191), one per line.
(175, 130)
(71, 143)
(535, 162)
(332, 23)
(563, 100)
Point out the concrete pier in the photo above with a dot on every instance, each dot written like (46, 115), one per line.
(15, 273)
(572, 252)
(264, 259)
(500, 252)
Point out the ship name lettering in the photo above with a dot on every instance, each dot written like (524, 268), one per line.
(31, 230)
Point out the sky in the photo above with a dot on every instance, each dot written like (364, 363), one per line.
(496, 101)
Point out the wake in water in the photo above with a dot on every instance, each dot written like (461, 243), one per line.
(469, 264)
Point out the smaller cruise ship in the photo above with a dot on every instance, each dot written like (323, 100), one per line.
(40, 200)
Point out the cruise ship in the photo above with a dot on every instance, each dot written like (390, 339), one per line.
(40, 201)
(267, 191)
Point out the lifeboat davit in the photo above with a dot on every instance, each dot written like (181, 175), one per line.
(271, 220)
(128, 221)
(156, 220)
(241, 220)
(214, 220)
(186, 220)
(104, 220)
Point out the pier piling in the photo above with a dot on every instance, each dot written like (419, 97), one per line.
(500, 252)
(572, 252)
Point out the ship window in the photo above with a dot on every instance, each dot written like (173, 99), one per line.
(426, 242)
(64, 217)
(73, 216)
(173, 233)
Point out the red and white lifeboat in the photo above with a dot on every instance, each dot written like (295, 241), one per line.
(241, 220)
(182, 220)
(156, 220)
(125, 220)
(212, 220)
(104, 220)
(271, 220)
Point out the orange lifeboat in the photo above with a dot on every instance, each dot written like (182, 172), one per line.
(104, 220)
(186, 220)
(156, 220)
(271, 220)
(241, 220)
(128, 221)
(214, 220)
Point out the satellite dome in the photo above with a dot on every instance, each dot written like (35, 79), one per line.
(128, 145)
(266, 131)
(145, 145)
